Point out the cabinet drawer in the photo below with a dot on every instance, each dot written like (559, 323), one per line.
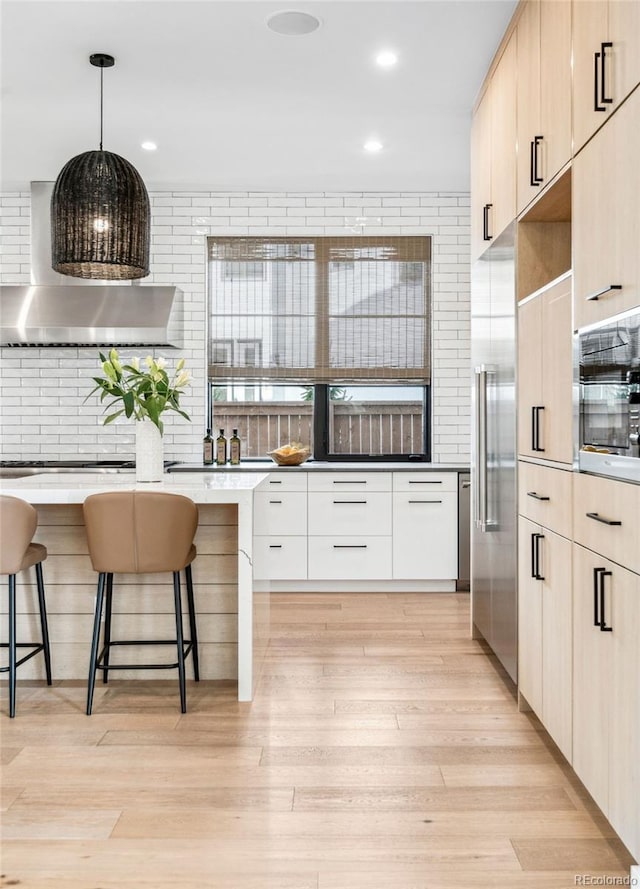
(346, 512)
(280, 512)
(349, 558)
(280, 558)
(425, 535)
(425, 482)
(284, 481)
(599, 502)
(544, 496)
(350, 481)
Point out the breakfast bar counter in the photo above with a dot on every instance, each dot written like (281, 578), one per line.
(233, 623)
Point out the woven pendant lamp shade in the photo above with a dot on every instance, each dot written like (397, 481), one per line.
(100, 219)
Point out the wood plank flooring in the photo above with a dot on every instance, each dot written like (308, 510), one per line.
(383, 750)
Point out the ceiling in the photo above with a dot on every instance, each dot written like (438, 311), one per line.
(234, 106)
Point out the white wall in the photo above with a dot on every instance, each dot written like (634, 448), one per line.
(42, 414)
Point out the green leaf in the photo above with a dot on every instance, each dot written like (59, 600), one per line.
(112, 417)
(128, 403)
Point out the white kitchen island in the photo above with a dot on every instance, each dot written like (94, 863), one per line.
(223, 568)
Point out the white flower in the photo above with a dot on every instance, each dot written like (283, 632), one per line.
(135, 362)
(149, 361)
(161, 363)
(184, 378)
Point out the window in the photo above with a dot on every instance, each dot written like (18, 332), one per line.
(344, 321)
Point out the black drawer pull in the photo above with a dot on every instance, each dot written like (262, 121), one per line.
(349, 501)
(349, 545)
(414, 482)
(357, 481)
(537, 496)
(485, 223)
(598, 518)
(275, 546)
(424, 501)
(599, 293)
(275, 501)
(603, 621)
(278, 482)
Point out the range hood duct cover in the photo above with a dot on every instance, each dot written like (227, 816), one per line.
(56, 310)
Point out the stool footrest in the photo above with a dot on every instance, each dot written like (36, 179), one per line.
(100, 665)
(37, 647)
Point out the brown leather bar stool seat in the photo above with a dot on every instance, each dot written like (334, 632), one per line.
(18, 523)
(141, 532)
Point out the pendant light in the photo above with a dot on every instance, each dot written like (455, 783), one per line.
(100, 213)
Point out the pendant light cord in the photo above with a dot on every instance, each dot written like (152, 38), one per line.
(101, 101)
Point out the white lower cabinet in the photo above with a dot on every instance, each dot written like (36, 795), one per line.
(353, 525)
(349, 558)
(425, 534)
(282, 558)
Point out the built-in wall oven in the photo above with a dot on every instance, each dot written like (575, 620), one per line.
(609, 401)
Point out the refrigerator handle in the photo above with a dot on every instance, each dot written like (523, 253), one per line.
(481, 439)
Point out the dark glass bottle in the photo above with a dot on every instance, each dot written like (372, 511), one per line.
(207, 449)
(221, 449)
(234, 446)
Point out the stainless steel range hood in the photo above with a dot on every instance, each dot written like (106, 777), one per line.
(56, 310)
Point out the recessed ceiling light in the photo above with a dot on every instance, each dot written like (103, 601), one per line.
(149, 146)
(386, 59)
(372, 145)
(292, 23)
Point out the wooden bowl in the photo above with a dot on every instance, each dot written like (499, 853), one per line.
(295, 459)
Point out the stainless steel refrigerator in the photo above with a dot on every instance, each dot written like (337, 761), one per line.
(494, 611)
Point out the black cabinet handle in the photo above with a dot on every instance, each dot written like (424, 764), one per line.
(275, 501)
(535, 428)
(599, 293)
(424, 501)
(598, 518)
(275, 546)
(278, 482)
(535, 556)
(603, 620)
(357, 481)
(537, 496)
(414, 482)
(349, 501)
(349, 545)
(600, 98)
(485, 222)
(596, 596)
(534, 178)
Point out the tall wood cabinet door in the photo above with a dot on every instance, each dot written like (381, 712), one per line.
(528, 103)
(592, 660)
(503, 141)
(530, 397)
(590, 28)
(623, 603)
(480, 174)
(556, 423)
(529, 615)
(557, 628)
(624, 33)
(555, 87)
(606, 223)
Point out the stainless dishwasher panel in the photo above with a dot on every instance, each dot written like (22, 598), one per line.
(464, 531)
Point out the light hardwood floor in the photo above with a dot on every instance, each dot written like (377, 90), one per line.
(383, 750)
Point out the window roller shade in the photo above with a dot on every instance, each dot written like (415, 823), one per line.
(320, 310)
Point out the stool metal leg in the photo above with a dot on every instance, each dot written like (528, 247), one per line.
(12, 645)
(192, 623)
(94, 642)
(43, 623)
(180, 641)
(107, 626)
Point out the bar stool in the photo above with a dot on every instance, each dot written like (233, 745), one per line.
(141, 532)
(18, 523)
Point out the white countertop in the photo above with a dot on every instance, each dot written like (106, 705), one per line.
(46, 488)
(325, 466)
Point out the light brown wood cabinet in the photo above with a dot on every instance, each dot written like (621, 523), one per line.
(545, 374)
(606, 221)
(543, 95)
(606, 689)
(493, 155)
(545, 628)
(606, 61)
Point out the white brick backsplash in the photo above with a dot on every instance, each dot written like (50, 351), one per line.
(42, 391)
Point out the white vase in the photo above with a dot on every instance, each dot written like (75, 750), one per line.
(149, 452)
